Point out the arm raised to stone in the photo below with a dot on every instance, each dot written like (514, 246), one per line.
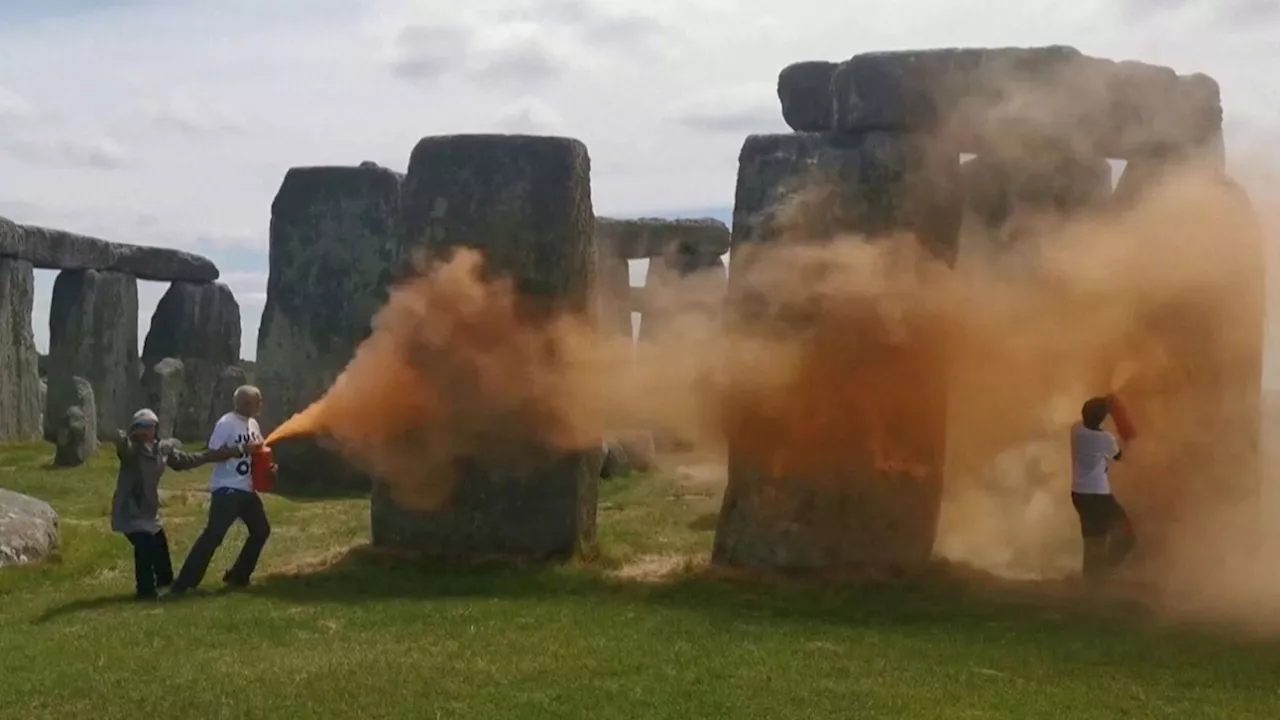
(123, 448)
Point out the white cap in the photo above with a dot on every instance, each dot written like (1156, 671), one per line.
(144, 417)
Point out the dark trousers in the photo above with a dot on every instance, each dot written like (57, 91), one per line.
(225, 508)
(151, 566)
(1108, 535)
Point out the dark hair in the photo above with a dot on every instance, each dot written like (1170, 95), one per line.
(1095, 410)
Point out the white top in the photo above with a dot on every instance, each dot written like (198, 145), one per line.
(1091, 451)
(232, 429)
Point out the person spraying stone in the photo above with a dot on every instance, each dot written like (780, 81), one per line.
(135, 507)
(232, 497)
(1104, 525)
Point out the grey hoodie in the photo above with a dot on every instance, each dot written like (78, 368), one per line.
(136, 504)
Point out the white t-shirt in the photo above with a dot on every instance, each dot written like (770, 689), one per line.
(232, 429)
(1091, 450)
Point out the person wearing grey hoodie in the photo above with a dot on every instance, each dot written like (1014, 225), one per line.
(135, 508)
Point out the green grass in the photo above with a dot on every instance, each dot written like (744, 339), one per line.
(329, 632)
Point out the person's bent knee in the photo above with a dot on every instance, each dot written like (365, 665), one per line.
(261, 534)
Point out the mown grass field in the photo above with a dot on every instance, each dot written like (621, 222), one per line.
(332, 631)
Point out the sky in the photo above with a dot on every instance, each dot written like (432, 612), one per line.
(172, 122)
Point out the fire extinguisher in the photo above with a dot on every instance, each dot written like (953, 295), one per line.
(260, 468)
(1120, 415)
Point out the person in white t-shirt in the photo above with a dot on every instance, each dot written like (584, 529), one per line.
(1108, 538)
(232, 498)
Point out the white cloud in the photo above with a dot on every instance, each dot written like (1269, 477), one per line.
(249, 287)
(503, 55)
(199, 128)
(429, 51)
(100, 153)
(191, 117)
(739, 110)
(528, 116)
(14, 107)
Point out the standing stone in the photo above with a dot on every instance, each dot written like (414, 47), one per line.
(19, 365)
(28, 529)
(640, 238)
(44, 399)
(613, 287)
(224, 391)
(1205, 403)
(93, 334)
(642, 456)
(682, 284)
(615, 463)
(809, 493)
(162, 388)
(525, 203)
(334, 245)
(76, 433)
(199, 325)
(804, 89)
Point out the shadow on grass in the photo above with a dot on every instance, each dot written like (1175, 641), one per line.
(705, 523)
(85, 605)
(938, 597)
(317, 493)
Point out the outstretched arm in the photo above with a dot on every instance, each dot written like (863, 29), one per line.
(178, 459)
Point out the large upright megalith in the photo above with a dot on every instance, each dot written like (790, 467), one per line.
(163, 383)
(93, 334)
(20, 408)
(676, 249)
(844, 467)
(525, 204)
(197, 324)
(75, 434)
(333, 248)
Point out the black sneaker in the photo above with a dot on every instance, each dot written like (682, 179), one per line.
(233, 582)
(146, 597)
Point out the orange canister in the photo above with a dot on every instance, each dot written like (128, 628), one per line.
(260, 466)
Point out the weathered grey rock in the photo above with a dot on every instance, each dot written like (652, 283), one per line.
(334, 247)
(51, 249)
(681, 285)
(76, 431)
(200, 320)
(642, 455)
(613, 288)
(920, 178)
(525, 203)
(250, 370)
(93, 334)
(44, 401)
(805, 91)
(19, 365)
(199, 324)
(616, 464)
(1044, 182)
(646, 237)
(162, 391)
(998, 97)
(29, 529)
(224, 392)
(916, 90)
(838, 504)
